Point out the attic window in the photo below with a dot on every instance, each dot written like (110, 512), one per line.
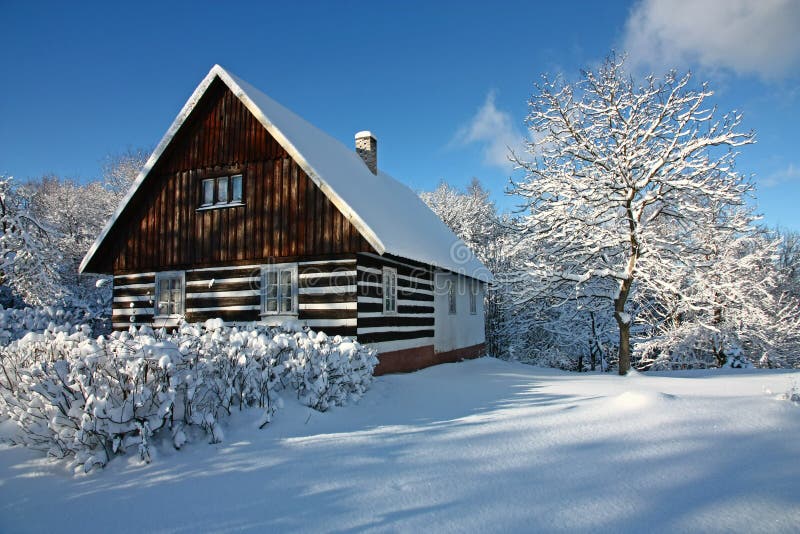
(221, 192)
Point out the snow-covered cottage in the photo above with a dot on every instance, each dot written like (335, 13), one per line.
(247, 212)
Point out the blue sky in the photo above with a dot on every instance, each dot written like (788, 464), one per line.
(443, 85)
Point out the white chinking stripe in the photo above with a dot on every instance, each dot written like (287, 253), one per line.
(372, 270)
(134, 275)
(366, 315)
(136, 286)
(311, 263)
(131, 311)
(400, 302)
(226, 268)
(399, 288)
(327, 290)
(331, 274)
(319, 323)
(382, 329)
(213, 281)
(220, 294)
(140, 298)
(329, 306)
(225, 308)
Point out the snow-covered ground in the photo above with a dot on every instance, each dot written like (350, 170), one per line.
(483, 445)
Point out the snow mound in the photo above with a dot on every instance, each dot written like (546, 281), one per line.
(638, 400)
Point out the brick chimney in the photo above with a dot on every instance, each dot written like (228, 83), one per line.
(367, 148)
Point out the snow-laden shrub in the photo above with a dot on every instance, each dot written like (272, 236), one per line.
(328, 372)
(16, 322)
(792, 394)
(690, 346)
(72, 395)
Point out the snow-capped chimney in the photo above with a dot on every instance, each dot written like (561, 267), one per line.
(367, 148)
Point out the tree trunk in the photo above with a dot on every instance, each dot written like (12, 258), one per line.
(624, 347)
(624, 323)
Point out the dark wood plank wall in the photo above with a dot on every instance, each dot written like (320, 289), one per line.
(285, 215)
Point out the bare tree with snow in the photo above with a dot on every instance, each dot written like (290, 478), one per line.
(621, 178)
(120, 170)
(29, 259)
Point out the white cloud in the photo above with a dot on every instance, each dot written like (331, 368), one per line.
(494, 130)
(789, 174)
(759, 37)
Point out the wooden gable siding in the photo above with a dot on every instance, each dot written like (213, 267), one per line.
(285, 215)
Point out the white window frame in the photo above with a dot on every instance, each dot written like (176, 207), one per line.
(389, 294)
(452, 307)
(215, 182)
(473, 298)
(170, 275)
(279, 268)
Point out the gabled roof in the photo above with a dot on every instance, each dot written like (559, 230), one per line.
(390, 216)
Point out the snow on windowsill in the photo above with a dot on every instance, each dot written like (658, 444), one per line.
(220, 206)
(274, 319)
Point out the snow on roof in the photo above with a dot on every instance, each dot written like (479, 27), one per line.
(390, 216)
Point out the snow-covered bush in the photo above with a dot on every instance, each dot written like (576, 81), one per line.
(16, 322)
(793, 394)
(690, 346)
(72, 395)
(328, 372)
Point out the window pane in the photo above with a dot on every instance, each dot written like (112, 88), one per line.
(286, 304)
(272, 305)
(176, 300)
(451, 296)
(389, 291)
(208, 192)
(162, 307)
(236, 188)
(222, 190)
(286, 283)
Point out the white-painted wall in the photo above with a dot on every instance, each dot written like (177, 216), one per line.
(462, 329)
